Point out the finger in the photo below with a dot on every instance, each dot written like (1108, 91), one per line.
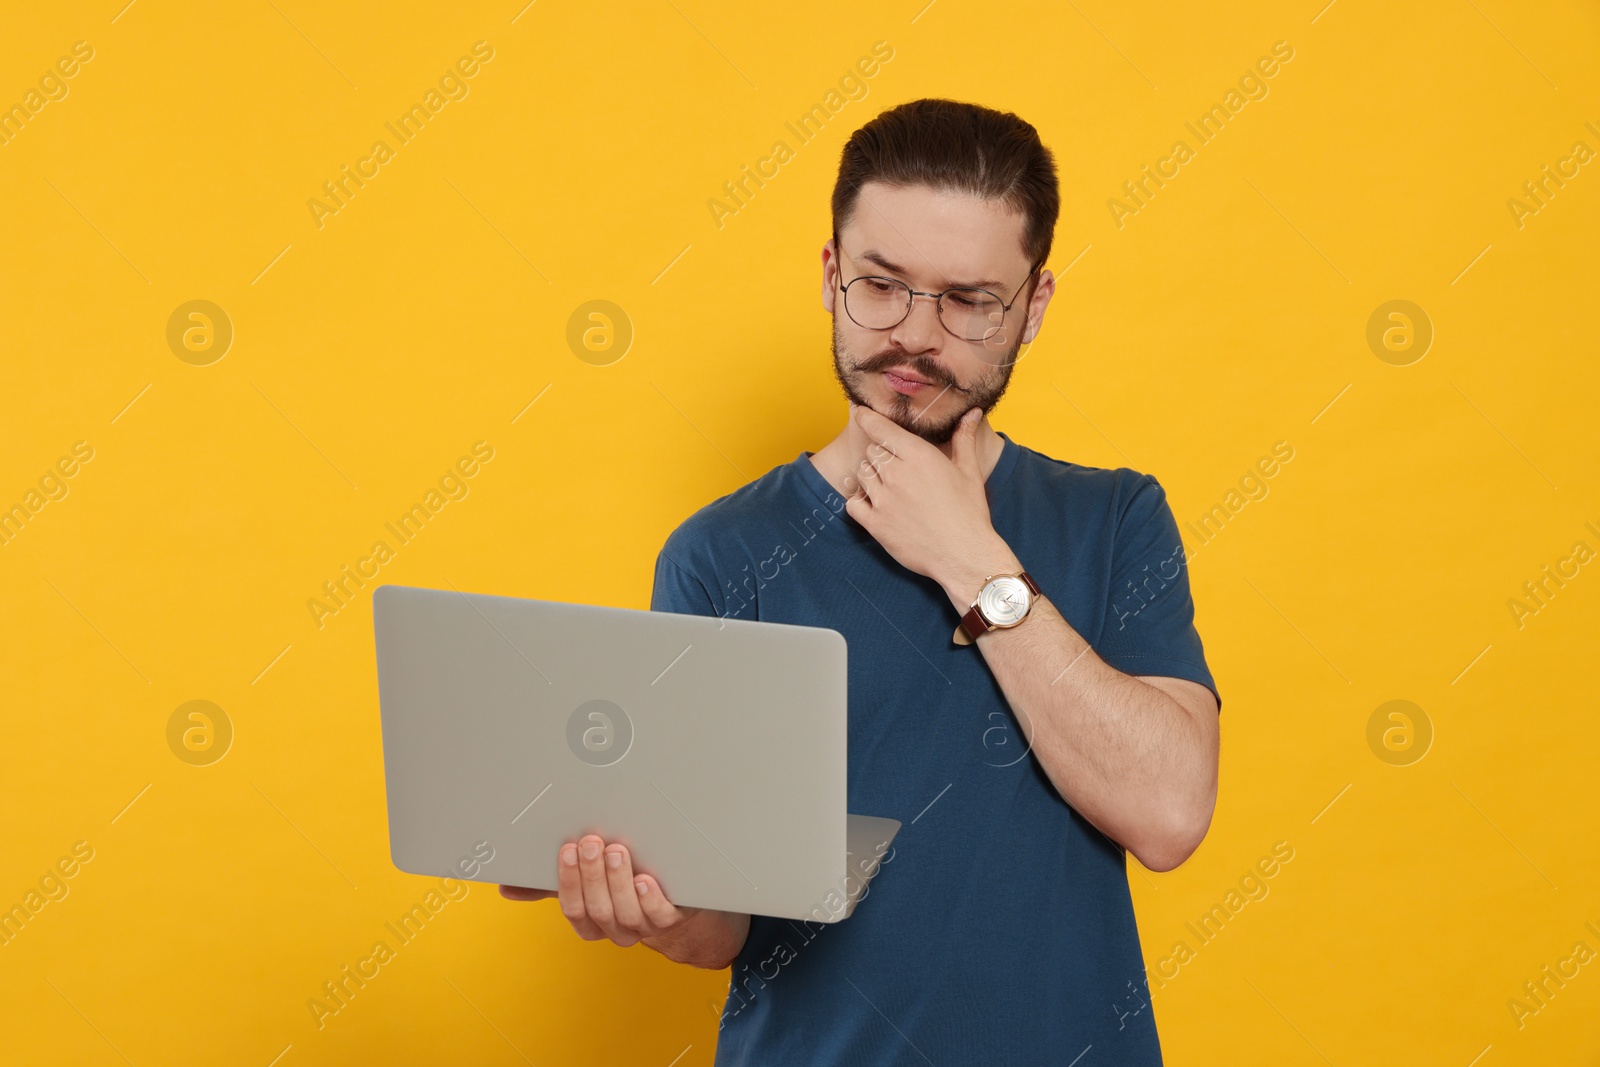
(517, 892)
(570, 892)
(592, 876)
(882, 430)
(859, 508)
(624, 897)
(657, 908)
(964, 443)
(869, 472)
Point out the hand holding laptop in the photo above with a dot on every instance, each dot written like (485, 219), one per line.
(602, 897)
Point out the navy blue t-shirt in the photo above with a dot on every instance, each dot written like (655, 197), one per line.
(998, 928)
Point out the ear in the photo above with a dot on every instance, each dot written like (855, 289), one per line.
(1034, 320)
(830, 275)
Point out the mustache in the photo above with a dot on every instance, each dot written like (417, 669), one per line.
(922, 367)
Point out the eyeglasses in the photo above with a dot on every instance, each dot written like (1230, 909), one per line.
(877, 303)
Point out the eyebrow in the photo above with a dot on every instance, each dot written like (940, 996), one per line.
(872, 256)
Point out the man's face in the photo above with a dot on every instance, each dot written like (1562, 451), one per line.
(931, 241)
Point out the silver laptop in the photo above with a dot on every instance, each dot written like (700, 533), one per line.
(715, 749)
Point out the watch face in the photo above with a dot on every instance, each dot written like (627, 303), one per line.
(1004, 601)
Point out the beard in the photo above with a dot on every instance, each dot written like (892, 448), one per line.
(913, 413)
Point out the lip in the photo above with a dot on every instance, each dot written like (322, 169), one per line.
(905, 375)
(905, 386)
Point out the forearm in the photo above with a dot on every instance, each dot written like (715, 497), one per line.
(709, 939)
(1123, 753)
(1126, 755)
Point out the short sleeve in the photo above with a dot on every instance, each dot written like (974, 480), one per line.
(1149, 628)
(677, 590)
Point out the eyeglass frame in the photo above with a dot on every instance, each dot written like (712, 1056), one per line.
(938, 298)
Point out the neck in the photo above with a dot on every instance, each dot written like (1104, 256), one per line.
(839, 461)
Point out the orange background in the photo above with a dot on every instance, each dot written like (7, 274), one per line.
(1225, 315)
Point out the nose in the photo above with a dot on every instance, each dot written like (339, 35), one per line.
(921, 328)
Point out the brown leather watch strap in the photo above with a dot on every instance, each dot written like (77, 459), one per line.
(973, 624)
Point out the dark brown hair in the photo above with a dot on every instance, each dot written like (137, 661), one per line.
(955, 147)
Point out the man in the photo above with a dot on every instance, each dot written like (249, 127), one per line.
(1082, 721)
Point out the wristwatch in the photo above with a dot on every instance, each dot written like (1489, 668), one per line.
(1004, 601)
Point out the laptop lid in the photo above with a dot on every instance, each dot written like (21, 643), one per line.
(715, 749)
